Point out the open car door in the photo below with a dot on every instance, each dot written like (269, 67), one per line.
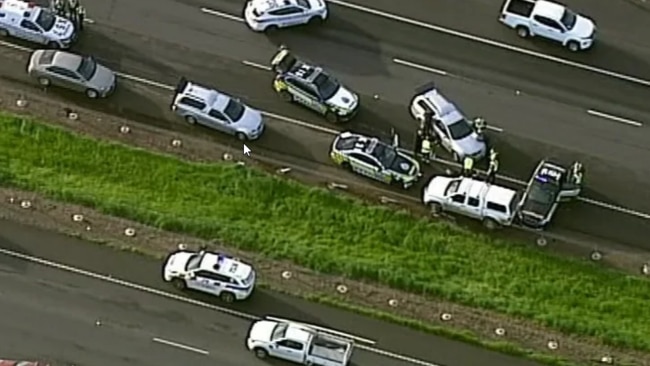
(283, 61)
(572, 182)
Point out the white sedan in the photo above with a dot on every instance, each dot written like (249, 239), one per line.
(271, 15)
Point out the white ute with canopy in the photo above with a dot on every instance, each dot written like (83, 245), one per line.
(301, 343)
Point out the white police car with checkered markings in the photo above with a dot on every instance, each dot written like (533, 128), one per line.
(271, 15)
(214, 273)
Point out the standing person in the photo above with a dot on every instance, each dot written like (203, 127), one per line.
(81, 16)
(59, 7)
(419, 136)
(493, 167)
(73, 11)
(468, 167)
(480, 125)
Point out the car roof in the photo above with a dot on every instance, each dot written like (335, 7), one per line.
(217, 262)
(550, 10)
(305, 71)
(211, 97)
(18, 7)
(500, 195)
(297, 333)
(265, 5)
(447, 111)
(66, 60)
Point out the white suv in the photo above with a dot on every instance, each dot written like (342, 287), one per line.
(270, 15)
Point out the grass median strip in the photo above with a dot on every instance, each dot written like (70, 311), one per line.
(326, 232)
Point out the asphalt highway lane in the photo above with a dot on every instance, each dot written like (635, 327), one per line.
(622, 27)
(533, 127)
(56, 314)
(359, 41)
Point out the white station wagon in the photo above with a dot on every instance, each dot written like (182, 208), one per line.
(270, 15)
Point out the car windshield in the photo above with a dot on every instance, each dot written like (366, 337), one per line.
(542, 193)
(327, 85)
(569, 19)
(384, 153)
(234, 110)
(279, 331)
(45, 20)
(194, 262)
(452, 187)
(459, 129)
(87, 68)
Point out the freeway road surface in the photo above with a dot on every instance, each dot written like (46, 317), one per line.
(607, 148)
(54, 315)
(622, 42)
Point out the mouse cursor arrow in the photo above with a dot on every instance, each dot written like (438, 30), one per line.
(247, 151)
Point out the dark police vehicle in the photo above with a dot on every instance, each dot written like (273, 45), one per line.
(550, 184)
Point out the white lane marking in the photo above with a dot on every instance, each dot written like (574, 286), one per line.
(420, 67)
(609, 206)
(181, 346)
(614, 118)
(89, 21)
(491, 42)
(134, 286)
(223, 15)
(15, 46)
(256, 65)
(301, 123)
(145, 81)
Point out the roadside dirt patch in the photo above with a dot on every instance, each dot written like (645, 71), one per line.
(110, 230)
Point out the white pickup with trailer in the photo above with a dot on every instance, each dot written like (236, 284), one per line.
(495, 206)
(301, 343)
(550, 20)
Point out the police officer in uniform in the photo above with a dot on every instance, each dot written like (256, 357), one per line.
(60, 8)
(576, 173)
(468, 167)
(81, 16)
(480, 125)
(493, 167)
(73, 12)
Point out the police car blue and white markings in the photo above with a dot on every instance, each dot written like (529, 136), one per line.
(269, 15)
(30, 22)
(309, 85)
(214, 273)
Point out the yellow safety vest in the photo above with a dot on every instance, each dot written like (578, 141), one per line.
(468, 163)
(426, 147)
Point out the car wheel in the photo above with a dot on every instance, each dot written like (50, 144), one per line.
(179, 283)
(260, 353)
(490, 224)
(227, 297)
(4, 33)
(573, 46)
(241, 136)
(271, 29)
(523, 32)
(286, 96)
(331, 117)
(436, 208)
(44, 81)
(92, 93)
(53, 45)
(191, 120)
(314, 21)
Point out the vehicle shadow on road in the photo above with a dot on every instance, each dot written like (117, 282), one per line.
(341, 46)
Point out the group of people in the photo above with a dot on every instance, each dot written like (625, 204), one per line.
(70, 9)
(426, 142)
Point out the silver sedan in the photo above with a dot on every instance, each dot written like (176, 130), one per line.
(71, 71)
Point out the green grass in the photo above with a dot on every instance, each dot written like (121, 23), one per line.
(326, 232)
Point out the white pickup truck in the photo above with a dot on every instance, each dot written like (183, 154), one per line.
(549, 20)
(495, 206)
(300, 343)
